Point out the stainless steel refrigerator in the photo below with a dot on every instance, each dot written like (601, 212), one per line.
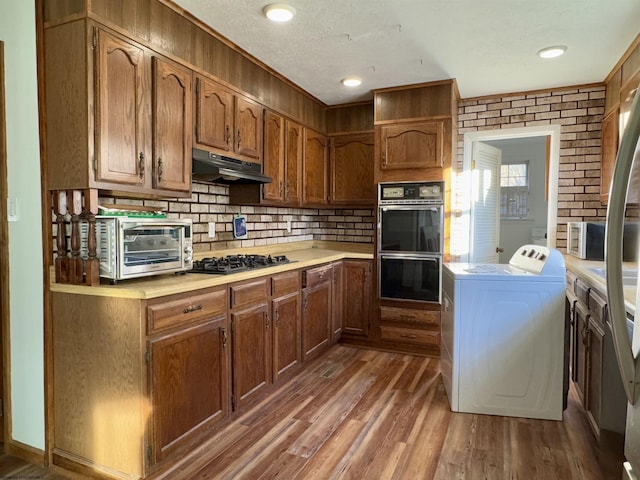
(626, 339)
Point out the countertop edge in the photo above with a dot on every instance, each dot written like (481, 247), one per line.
(170, 284)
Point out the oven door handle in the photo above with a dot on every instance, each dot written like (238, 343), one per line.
(402, 256)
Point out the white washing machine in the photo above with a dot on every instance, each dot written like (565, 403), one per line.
(502, 349)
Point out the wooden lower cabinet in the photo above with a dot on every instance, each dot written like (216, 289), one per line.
(285, 307)
(136, 382)
(188, 383)
(250, 340)
(411, 328)
(357, 296)
(338, 301)
(316, 310)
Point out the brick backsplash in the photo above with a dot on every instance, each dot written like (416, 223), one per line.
(265, 225)
(579, 112)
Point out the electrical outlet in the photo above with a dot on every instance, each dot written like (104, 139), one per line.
(288, 226)
(212, 229)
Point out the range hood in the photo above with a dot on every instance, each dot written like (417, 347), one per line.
(212, 168)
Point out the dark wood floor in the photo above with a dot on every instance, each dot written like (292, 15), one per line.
(362, 414)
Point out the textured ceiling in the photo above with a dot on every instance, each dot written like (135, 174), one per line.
(489, 46)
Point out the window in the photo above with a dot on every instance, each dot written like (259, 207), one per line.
(514, 190)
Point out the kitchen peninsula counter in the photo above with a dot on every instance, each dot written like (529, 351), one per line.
(302, 255)
(583, 270)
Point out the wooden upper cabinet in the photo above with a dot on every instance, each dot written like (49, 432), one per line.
(351, 163)
(113, 108)
(314, 184)
(294, 151)
(119, 79)
(609, 152)
(411, 145)
(227, 123)
(273, 161)
(214, 115)
(171, 126)
(248, 128)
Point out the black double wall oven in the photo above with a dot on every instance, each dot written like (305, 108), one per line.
(410, 240)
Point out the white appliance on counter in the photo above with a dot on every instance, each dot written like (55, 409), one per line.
(626, 342)
(503, 335)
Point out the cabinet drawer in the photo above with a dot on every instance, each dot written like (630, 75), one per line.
(597, 306)
(316, 275)
(407, 315)
(284, 283)
(250, 292)
(410, 335)
(187, 308)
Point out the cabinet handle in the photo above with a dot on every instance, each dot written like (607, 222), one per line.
(224, 338)
(405, 335)
(384, 159)
(306, 302)
(239, 139)
(159, 169)
(277, 317)
(141, 165)
(228, 135)
(268, 320)
(286, 189)
(281, 188)
(192, 308)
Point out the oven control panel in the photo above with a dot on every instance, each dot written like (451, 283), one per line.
(414, 192)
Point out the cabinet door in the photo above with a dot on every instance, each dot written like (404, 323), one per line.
(248, 129)
(171, 126)
(357, 294)
(188, 372)
(293, 163)
(581, 322)
(316, 318)
(337, 316)
(409, 146)
(214, 115)
(314, 184)
(273, 160)
(609, 152)
(595, 345)
(251, 353)
(351, 162)
(286, 333)
(119, 74)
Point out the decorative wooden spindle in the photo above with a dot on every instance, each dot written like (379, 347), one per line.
(75, 199)
(92, 263)
(59, 202)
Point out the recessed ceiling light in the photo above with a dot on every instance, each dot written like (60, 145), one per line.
(279, 12)
(351, 82)
(552, 52)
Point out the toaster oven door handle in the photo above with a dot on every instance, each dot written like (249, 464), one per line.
(159, 224)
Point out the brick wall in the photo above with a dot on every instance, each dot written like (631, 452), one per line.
(578, 111)
(265, 225)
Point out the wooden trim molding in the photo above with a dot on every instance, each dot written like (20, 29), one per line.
(25, 452)
(4, 259)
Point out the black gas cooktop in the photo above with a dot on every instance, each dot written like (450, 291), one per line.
(237, 263)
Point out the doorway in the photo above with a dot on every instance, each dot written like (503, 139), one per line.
(463, 221)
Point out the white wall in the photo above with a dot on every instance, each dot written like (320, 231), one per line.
(17, 31)
(515, 233)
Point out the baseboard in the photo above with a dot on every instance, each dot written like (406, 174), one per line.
(25, 452)
(74, 463)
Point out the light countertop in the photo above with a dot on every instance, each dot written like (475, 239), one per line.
(302, 255)
(582, 269)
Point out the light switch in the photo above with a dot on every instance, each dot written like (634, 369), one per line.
(12, 209)
(212, 229)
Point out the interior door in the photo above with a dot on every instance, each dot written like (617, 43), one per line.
(485, 203)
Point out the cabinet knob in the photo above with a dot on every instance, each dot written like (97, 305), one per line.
(141, 165)
(159, 169)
